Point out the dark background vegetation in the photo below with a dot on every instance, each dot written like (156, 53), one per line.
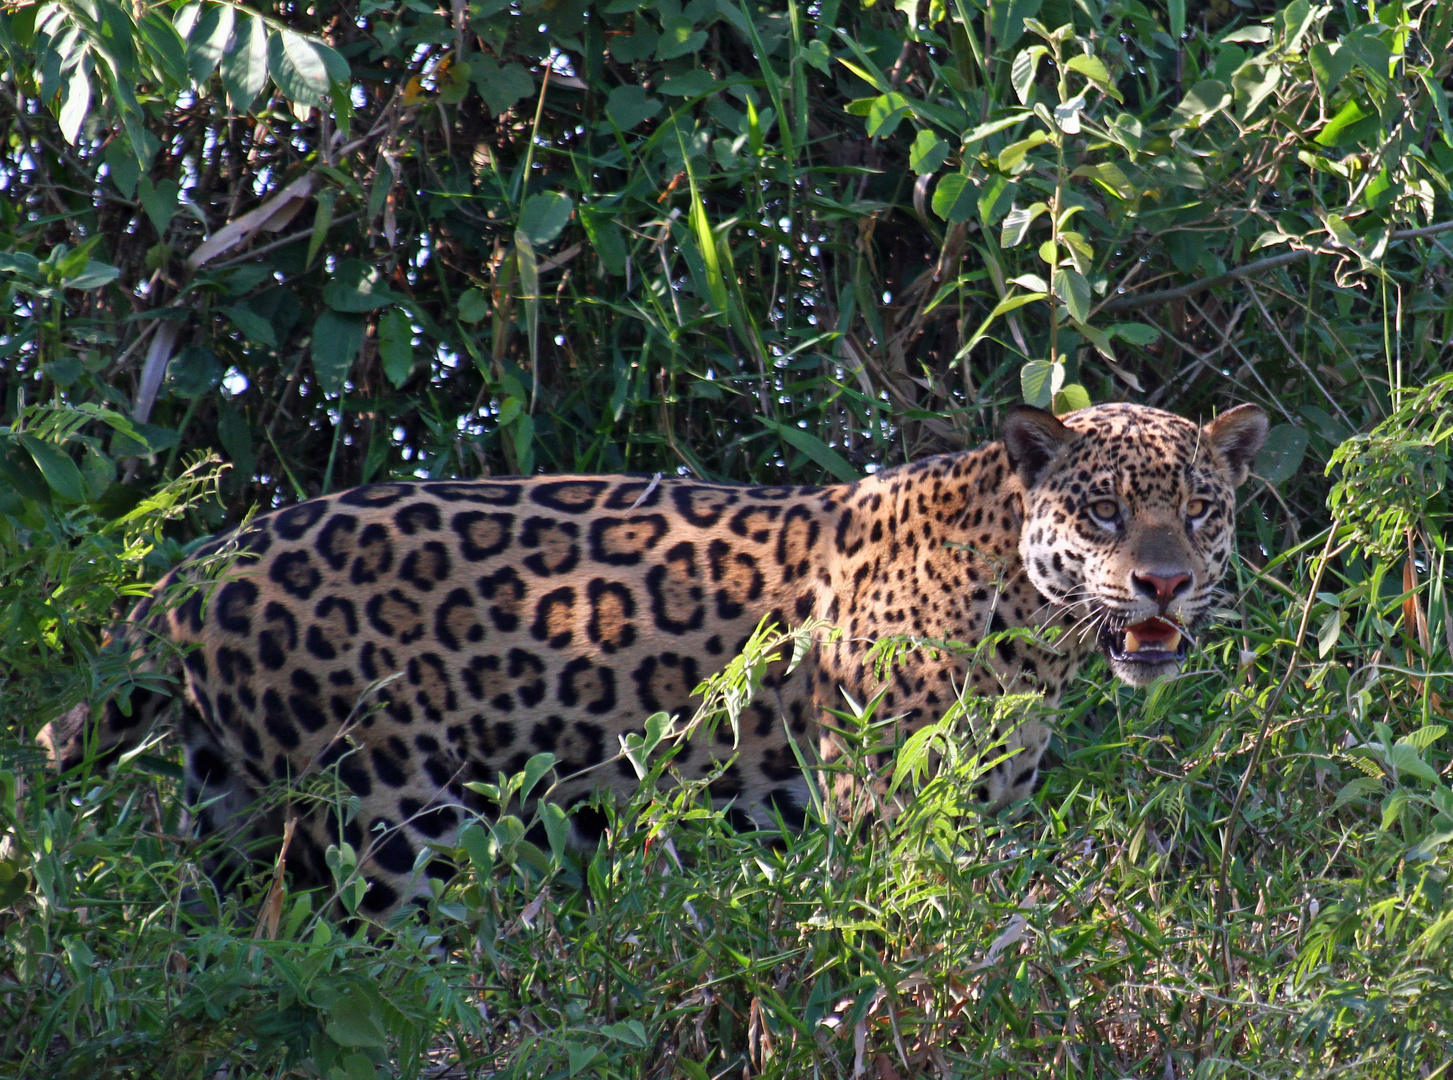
(332, 244)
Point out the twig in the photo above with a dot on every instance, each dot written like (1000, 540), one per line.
(1128, 303)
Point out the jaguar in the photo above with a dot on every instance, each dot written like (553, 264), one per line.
(420, 634)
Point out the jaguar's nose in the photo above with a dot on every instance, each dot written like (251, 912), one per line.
(1162, 588)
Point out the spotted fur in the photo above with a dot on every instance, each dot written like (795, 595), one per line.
(556, 613)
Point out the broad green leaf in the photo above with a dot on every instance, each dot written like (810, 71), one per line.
(679, 37)
(207, 37)
(1012, 156)
(1201, 102)
(1111, 177)
(1093, 69)
(500, 86)
(885, 113)
(1136, 333)
(1329, 631)
(995, 198)
(353, 1021)
(159, 200)
(928, 153)
(337, 339)
(1026, 66)
(1039, 381)
(1282, 453)
(357, 287)
(75, 100)
(953, 198)
(1072, 398)
(606, 238)
(817, 450)
(1017, 222)
(1373, 57)
(629, 105)
(396, 345)
(253, 326)
(1253, 82)
(1408, 762)
(56, 466)
(473, 306)
(93, 276)
(244, 64)
(165, 47)
(544, 216)
(1357, 788)
(297, 68)
(1071, 288)
(1330, 64)
(1009, 303)
(692, 83)
(1334, 132)
(536, 767)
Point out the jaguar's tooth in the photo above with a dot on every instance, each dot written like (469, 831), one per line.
(1173, 642)
(1132, 643)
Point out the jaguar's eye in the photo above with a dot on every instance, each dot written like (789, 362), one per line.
(1106, 510)
(1197, 508)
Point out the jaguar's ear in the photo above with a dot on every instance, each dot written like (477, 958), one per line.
(1236, 435)
(1032, 437)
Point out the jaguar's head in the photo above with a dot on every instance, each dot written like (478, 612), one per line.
(1128, 521)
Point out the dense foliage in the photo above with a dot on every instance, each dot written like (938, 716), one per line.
(324, 245)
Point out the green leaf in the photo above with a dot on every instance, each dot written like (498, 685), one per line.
(544, 216)
(816, 450)
(244, 63)
(1329, 631)
(207, 38)
(1201, 102)
(253, 326)
(1409, 762)
(56, 466)
(1024, 70)
(606, 238)
(995, 199)
(953, 199)
(1093, 69)
(298, 68)
(1017, 222)
(194, 373)
(1334, 132)
(165, 47)
(884, 114)
(1357, 788)
(337, 339)
(92, 276)
(679, 37)
(159, 200)
(580, 1056)
(353, 1021)
(1072, 290)
(928, 153)
(75, 100)
(357, 287)
(396, 345)
(1253, 82)
(1071, 398)
(628, 106)
(1282, 453)
(1012, 156)
(1371, 53)
(473, 306)
(500, 86)
(1039, 381)
(538, 765)
(1330, 64)
(1136, 333)
(691, 83)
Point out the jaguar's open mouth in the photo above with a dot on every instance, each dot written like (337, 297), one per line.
(1151, 642)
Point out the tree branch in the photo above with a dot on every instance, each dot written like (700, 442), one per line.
(1286, 258)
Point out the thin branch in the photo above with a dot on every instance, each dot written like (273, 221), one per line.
(1286, 258)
